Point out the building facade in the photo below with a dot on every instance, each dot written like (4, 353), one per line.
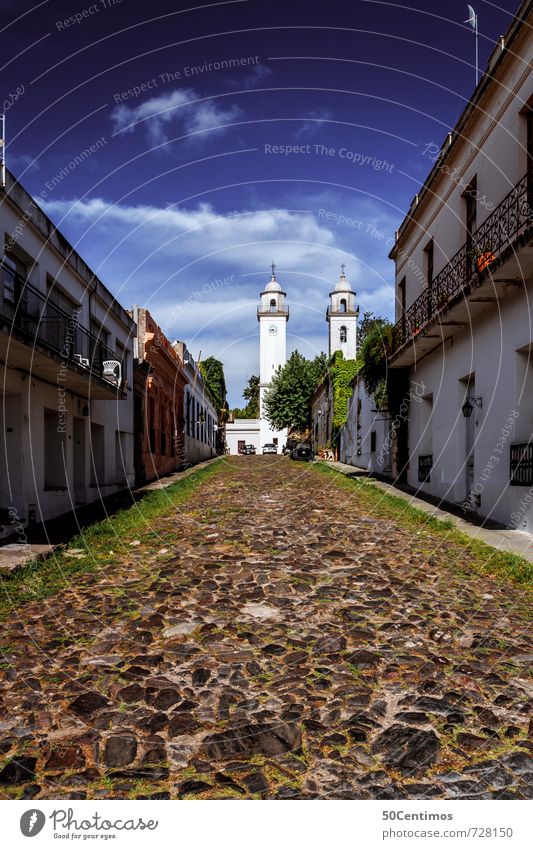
(160, 382)
(66, 373)
(366, 438)
(463, 341)
(199, 413)
(241, 432)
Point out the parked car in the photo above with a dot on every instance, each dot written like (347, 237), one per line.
(303, 451)
(290, 445)
(248, 449)
(270, 448)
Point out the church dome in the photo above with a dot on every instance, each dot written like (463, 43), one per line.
(343, 284)
(273, 285)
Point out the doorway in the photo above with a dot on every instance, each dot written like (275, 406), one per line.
(470, 444)
(80, 481)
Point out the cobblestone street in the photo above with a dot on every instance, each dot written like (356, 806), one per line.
(271, 638)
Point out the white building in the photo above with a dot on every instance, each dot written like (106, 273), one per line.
(464, 285)
(241, 432)
(366, 438)
(66, 361)
(200, 415)
(342, 317)
(272, 315)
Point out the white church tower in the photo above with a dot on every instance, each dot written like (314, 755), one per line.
(272, 314)
(342, 317)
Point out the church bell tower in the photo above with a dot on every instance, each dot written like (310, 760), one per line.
(342, 318)
(273, 315)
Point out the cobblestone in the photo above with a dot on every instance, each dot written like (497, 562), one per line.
(271, 639)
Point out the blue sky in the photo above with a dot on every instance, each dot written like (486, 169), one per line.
(228, 135)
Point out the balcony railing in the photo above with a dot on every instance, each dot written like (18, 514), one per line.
(30, 316)
(279, 310)
(475, 257)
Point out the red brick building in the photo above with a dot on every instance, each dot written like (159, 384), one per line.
(159, 385)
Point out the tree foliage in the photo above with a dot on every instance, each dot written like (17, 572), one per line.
(373, 358)
(251, 395)
(288, 398)
(342, 373)
(368, 322)
(212, 371)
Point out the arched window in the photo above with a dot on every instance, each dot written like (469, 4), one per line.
(343, 334)
(273, 305)
(342, 307)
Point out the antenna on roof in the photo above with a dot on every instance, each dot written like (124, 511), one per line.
(3, 151)
(472, 20)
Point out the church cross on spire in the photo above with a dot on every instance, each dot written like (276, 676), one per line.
(273, 271)
(342, 269)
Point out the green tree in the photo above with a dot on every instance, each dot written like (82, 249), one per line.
(212, 371)
(366, 324)
(288, 398)
(251, 395)
(373, 357)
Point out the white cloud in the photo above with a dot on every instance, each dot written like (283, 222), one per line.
(174, 260)
(315, 121)
(182, 106)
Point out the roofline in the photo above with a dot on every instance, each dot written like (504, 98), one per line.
(13, 194)
(499, 53)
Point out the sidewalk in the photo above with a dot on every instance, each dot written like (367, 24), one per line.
(45, 539)
(515, 542)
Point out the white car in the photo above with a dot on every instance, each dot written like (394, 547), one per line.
(270, 448)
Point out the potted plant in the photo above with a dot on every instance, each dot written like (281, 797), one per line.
(483, 257)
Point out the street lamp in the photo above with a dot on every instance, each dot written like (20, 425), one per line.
(468, 407)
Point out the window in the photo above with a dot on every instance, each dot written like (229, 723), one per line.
(97, 455)
(425, 463)
(372, 441)
(14, 273)
(401, 301)
(529, 118)
(343, 334)
(429, 252)
(273, 305)
(470, 195)
(122, 355)
(188, 414)
(342, 305)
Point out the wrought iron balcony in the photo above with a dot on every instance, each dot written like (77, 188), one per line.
(28, 316)
(488, 246)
